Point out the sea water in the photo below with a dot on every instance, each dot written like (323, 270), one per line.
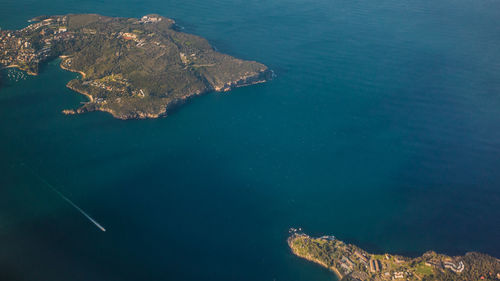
(382, 128)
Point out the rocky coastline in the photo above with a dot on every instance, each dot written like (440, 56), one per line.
(350, 262)
(311, 258)
(131, 68)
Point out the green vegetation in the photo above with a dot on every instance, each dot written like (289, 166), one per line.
(350, 262)
(423, 270)
(157, 66)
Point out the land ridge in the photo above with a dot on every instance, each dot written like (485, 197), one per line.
(350, 262)
(130, 67)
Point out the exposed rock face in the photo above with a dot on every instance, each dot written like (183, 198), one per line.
(247, 79)
(131, 68)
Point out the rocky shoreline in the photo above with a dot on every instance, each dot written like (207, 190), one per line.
(350, 262)
(132, 68)
(312, 259)
(258, 78)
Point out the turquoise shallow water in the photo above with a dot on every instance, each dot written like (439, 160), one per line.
(382, 128)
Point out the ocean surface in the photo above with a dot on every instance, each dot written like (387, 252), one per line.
(382, 128)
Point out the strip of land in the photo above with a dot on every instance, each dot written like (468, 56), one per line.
(350, 262)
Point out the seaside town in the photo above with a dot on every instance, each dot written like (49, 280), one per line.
(350, 262)
(26, 48)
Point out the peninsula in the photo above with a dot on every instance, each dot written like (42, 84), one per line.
(130, 67)
(350, 262)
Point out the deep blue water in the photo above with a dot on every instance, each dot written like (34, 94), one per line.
(382, 128)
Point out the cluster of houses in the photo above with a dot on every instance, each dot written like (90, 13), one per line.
(127, 35)
(132, 36)
(150, 19)
(346, 265)
(375, 265)
(110, 88)
(456, 267)
(398, 275)
(60, 21)
(352, 256)
(362, 258)
(16, 49)
(104, 86)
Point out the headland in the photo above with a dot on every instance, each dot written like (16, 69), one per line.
(349, 262)
(130, 67)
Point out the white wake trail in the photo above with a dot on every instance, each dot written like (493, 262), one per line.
(67, 199)
(80, 210)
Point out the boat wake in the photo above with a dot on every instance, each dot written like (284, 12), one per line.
(80, 210)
